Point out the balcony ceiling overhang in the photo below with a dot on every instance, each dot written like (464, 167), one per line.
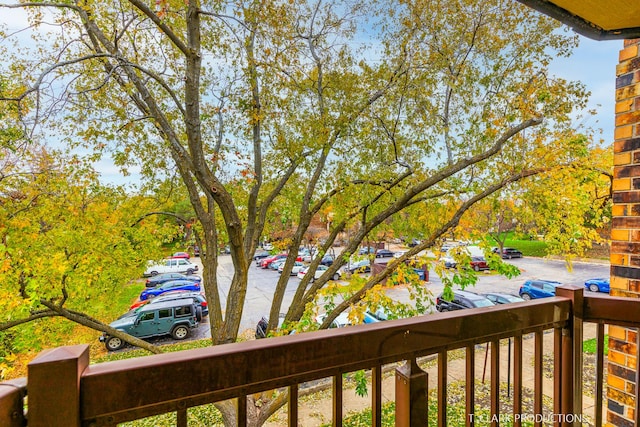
(596, 19)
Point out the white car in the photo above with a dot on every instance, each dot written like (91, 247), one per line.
(362, 266)
(319, 272)
(339, 322)
(174, 265)
(297, 266)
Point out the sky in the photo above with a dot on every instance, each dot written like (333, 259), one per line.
(593, 63)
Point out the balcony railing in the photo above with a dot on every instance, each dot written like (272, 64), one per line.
(65, 390)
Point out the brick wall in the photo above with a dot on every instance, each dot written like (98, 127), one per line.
(625, 235)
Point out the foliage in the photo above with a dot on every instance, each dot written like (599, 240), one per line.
(360, 379)
(455, 409)
(590, 346)
(571, 221)
(68, 246)
(198, 416)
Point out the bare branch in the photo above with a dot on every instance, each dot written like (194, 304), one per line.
(142, 7)
(35, 316)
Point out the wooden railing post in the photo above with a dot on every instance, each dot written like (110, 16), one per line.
(54, 386)
(411, 395)
(571, 371)
(12, 394)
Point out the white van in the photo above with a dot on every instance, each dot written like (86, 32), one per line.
(173, 265)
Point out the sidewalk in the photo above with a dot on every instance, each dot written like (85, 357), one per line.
(316, 410)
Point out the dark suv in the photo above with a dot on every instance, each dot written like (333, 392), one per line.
(175, 318)
(508, 253)
(462, 299)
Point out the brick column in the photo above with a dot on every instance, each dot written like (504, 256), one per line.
(625, 236)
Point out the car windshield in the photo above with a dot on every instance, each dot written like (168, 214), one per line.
(482, 302)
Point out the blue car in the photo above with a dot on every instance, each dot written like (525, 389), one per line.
(532, 289)
(154, 281)
(174, 285)
(597, 285)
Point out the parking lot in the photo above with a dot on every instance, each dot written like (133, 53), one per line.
(262, 283)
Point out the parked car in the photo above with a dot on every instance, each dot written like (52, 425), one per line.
(384, 253)
(319, 272)
(184, 255)
(261, 327)
(501, 298)
(366, 250)
(462, 300)
(327, 260)
(174, 265)
(297, 266)
(174, 285)
(414, 242)
(363, 266)
(508, 253)
(597, 285)
(259, 255)
(303, 253)
(266, 262)
(449, 262)
(166, 277)
(478, 263)
(175, 318)
(275, 265)
(381, 315)
(198, 299)
(532, 289)
(339, 322)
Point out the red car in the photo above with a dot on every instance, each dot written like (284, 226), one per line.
(184, 255)
(479, 263)
(265, 263)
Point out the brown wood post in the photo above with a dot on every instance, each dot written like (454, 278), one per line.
(54, 386)
(572, 337)
(12, 394)
(411, 395)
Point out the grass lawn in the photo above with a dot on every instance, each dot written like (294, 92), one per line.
(534, 248)
(590, 346)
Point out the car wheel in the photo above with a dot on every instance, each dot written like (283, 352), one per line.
(199, 313)
(153, 273)
(508, 256)
(526, 297)
(114, 343)
(180, 332)
(476, 268)
(593, 287)
(443, 309)
(336, 276)
(189, 272)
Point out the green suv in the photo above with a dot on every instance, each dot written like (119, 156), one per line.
(175, 318)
